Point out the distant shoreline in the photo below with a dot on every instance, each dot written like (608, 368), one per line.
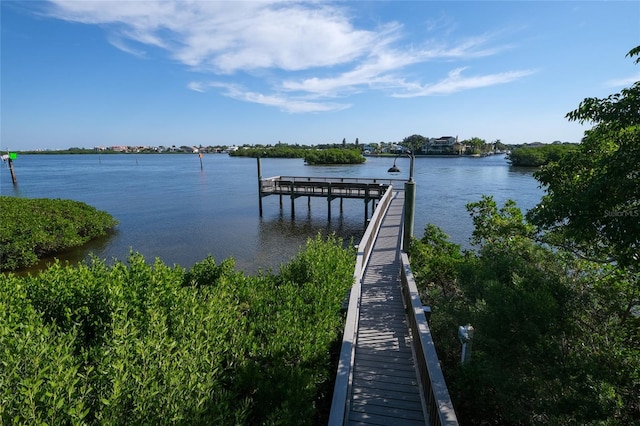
(110, 152)
(91, 152)
(434, 155)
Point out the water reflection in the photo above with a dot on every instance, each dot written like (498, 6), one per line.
(73, 255)
(282, 237)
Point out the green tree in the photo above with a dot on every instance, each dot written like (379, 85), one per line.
(476, 145)
(414, 142)
(592, 204)
(554, 343)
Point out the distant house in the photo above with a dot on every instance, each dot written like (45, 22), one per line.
(190, 149)
(443, 145)
(368, 149)
(394, 148)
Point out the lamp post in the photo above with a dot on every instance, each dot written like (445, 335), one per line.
(409, 206)
(409, 201)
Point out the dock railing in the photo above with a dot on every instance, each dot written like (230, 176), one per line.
(345, 363)
(325, 186)
(439, 406)
(331, 179)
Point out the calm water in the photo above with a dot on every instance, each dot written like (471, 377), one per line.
(168, 208)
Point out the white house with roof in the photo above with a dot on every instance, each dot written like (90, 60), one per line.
(443, 145)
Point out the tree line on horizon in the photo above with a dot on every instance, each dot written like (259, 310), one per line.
(414, 143)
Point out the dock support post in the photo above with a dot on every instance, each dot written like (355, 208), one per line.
(366, 209)
(259, 183)
(329, 203)
(293, 203)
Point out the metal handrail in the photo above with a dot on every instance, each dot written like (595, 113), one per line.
(345, 362)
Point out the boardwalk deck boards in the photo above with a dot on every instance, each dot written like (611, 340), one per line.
(385, 387)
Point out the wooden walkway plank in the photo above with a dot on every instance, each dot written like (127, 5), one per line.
(385, 387)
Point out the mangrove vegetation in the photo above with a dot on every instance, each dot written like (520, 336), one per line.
(539, 155)
(135, 343)
(33, 228)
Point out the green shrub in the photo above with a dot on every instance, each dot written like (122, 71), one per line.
(278, 151)
(32, 228)
(334, 156)
(535, 156)
(555, 338)
(135, 343)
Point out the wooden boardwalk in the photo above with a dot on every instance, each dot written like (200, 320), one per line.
(385, 388)
(388, 371)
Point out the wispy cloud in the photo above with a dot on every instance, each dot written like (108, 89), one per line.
(456, 82)
(284, 103)
(622, 82)
(120, 44)
(298, 56)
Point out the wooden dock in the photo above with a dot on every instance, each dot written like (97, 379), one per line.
(330, 188)
(385, 388)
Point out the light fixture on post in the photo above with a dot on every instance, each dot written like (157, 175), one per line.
(394, 168)
(409, 200)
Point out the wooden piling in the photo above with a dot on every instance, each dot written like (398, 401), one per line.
(13, 173)
(259, 185)
(293, 199)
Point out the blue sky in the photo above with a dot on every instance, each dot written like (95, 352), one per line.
(102, 73)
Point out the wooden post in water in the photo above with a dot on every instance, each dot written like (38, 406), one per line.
(259, 185)
(366, 209)
(329, 203)
(13, 173)
(9, 159)
(293, 200)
